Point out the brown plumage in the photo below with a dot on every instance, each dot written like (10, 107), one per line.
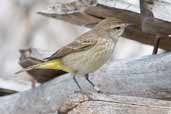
(88, 52)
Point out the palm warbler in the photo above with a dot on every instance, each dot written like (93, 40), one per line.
(88, 52)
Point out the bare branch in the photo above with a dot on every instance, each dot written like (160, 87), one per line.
(109, 104)
(145, 77)
(93, 14)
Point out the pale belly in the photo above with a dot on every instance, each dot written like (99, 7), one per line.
(89, 61)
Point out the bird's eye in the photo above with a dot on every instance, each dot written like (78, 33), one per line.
(117, 28)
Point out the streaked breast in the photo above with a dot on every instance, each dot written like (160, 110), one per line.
(91, 59)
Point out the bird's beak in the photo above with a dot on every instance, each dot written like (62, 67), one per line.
(129, 24)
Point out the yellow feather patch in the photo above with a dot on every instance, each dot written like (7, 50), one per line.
(55, 65)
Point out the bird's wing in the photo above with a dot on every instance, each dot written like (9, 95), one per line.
(84, 42)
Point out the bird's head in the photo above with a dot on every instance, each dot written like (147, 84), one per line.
(113, 25)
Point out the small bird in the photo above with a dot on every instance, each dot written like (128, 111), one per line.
(88, 52)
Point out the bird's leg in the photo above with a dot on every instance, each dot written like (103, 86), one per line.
(75, 80)
(33, 83)
(92, 84)
(87, 78)
(156, 44)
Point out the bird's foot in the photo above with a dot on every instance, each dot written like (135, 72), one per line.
(97, 89)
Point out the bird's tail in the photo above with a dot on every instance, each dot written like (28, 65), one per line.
(56, 64)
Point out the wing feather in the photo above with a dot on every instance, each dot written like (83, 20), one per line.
(82, 43)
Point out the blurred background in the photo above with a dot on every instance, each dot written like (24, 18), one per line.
(21, 28)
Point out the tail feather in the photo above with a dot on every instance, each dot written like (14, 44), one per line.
(28, 68)
(53, 64)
